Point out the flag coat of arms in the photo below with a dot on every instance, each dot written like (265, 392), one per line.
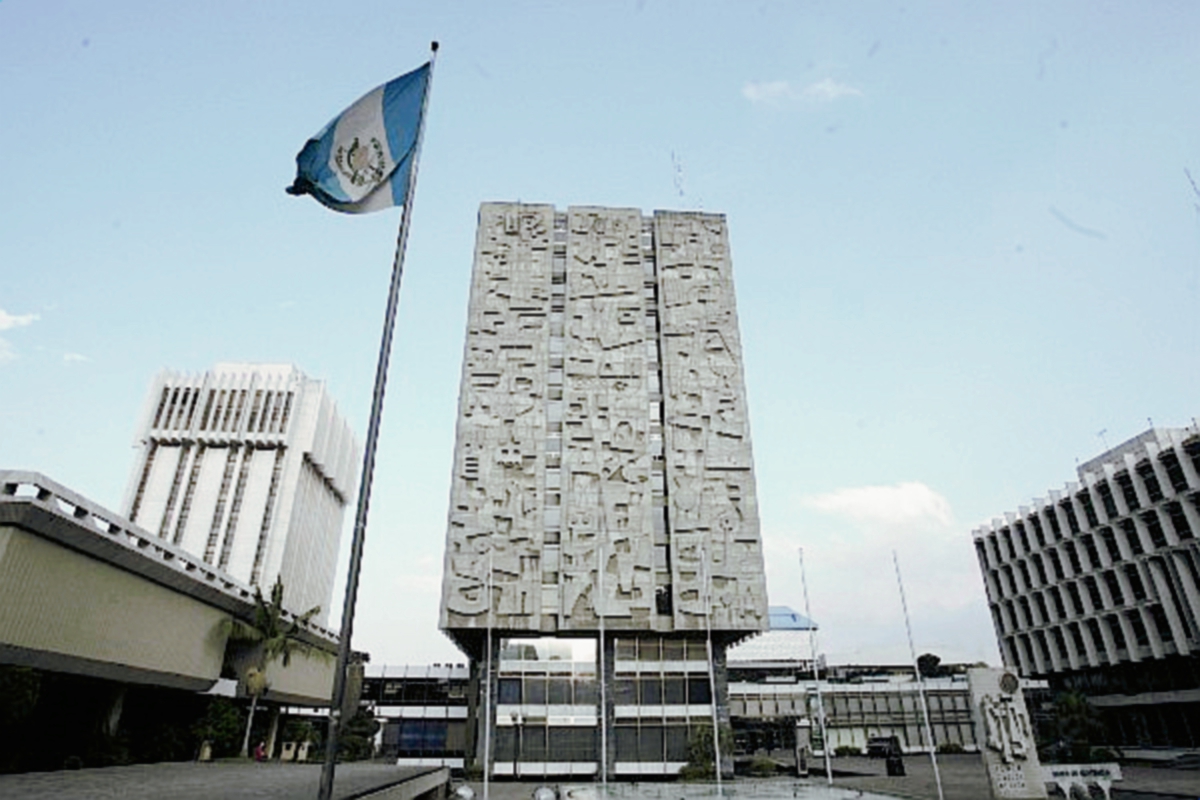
(361, 161)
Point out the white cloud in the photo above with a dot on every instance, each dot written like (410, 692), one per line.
(828, 90)
(849, 536)
(8, 320)
(767, 91)
(69, 357)
(904, 504)
(777, 92)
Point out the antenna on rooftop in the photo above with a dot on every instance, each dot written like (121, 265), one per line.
(677, 176)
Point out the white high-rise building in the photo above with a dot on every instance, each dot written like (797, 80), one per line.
(249, 466)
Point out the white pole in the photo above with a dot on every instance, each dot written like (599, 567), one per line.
(937, 776)
(487, 724)
(600, 607)
(812, 642)
(712, 678)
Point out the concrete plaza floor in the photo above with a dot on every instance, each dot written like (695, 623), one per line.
(222, 780)
(963, 778)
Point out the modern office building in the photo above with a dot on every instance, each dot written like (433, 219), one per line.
(603, 520)
(1096, 588)
(249, 467)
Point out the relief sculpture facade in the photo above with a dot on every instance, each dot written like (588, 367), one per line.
(603, 461)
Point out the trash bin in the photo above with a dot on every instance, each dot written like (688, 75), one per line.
(895, 764)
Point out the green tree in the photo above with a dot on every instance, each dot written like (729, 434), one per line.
(357, 739)
(1077, 725)
(276, 640)
(929, 665)
(221, 725)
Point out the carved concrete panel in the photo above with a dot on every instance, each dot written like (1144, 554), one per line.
(606, 424)
(603, 464)
(497, 494)
(713, 513)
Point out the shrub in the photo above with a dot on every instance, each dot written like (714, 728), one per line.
(847, 750)
(950, 748)
(762, 767)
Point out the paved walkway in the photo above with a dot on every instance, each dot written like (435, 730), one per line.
(193, 781)
(963, 778)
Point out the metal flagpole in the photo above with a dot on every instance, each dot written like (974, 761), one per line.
(937, 776)
(812, 640)
(712, 676)
(487, 718)
(364, 488)
(600, 663)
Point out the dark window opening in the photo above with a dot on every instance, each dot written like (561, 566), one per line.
(1089, 546)
(1174, 469)
(1073, 558)
(1114, 588)
(1021, 535)
(1056, 562)
(1106, 497)
(1040, 569)
(1089, 510)
(1006, 537)
(1110, 544)
(1179, 521)
(1145, 471)
(1059, 608)
(1127, 491)
(1076, 599)
(1053, 518)
(1040, 601)
(1154, 527)
(1139, 628)
(1131, 537)
(1038, 534)
(1160, 621)
(1093, 590)
(1118, 634)
(1135, 582)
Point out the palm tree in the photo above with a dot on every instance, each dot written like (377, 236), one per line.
(278, 640)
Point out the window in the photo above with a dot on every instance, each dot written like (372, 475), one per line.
(1114, 628)
(1154, 528)
(698, 691)
(1073, 557)
(1106, 497)
(1026, 612)
(1089, 545)
(1093, 590)
(1131, 537)
(1114, 588)
(1179, 521)
(1135, 582)
(1023, 568)
(510, 691)
(1160, 622)
(1040, 568)
(1038, 534)
(1089, 510)
(1139, 628)
(1021, 536)
(1052, 517)
(1126, 483)
(1040, 601)
(1059, 608)
(1006, 537)
(1057, 564)
(1110, 544)
(1174, 469)
(1076, 600)
(1145, 471)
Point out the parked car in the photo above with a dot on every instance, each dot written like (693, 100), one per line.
(882, 746)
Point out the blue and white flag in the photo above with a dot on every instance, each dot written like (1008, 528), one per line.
(361, 160)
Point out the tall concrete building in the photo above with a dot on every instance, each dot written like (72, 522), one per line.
(1096, 588)
(250, 467)
(603, 517)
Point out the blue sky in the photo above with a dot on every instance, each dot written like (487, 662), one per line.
(964, 238)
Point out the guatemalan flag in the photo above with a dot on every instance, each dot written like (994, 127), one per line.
(361, 160)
